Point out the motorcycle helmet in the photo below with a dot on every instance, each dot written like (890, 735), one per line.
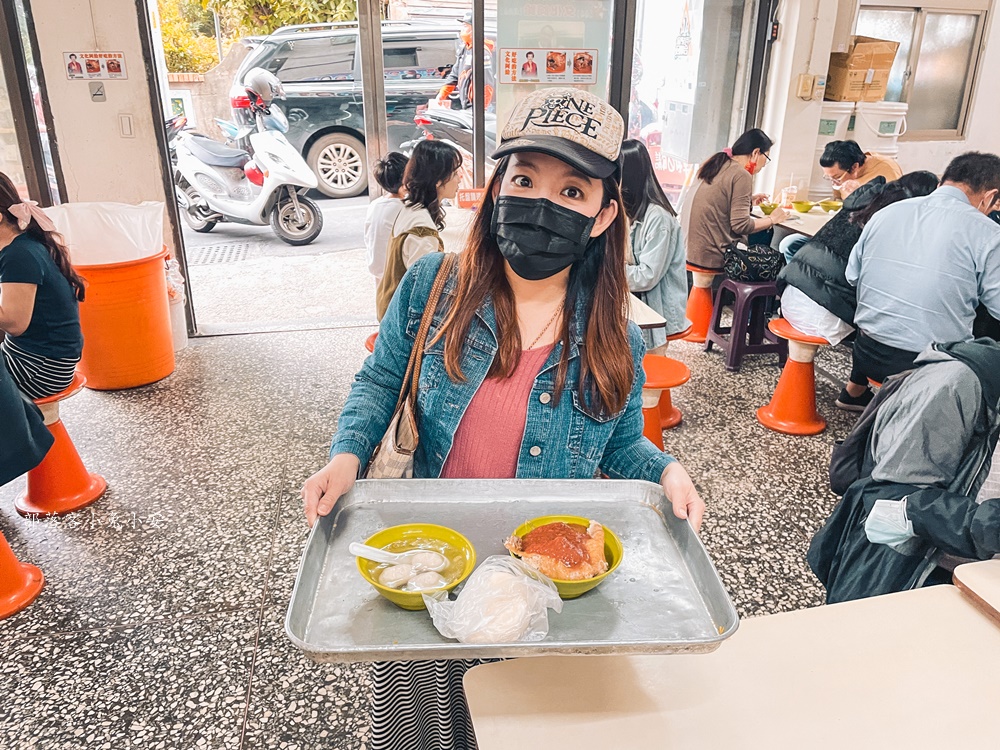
(263, 87)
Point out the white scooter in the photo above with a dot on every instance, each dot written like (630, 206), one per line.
(216, 183)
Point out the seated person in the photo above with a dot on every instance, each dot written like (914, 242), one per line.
(39, 298)
(848, 168)
(921, 267)
(815, 295)
(910, 472)
(655, 267)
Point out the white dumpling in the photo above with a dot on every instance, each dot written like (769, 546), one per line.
(426, 581)
(428, 560)
(396, 576)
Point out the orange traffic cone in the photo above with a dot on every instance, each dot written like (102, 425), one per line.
(20, 583)
(792, 409)
(370, 342)
(699, 306)
(61, 483)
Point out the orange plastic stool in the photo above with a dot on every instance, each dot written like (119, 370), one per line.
(20, 583)
(699, 304)
(792, 409)
(370, 342)
(669, 416)
(61, 483)
(662, 374)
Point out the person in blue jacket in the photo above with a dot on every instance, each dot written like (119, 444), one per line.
(655, 270)
(534, 318)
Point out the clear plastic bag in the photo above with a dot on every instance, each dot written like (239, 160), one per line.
(175, 281)
(504, 601)
(102, 233)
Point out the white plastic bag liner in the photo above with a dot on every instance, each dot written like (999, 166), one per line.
(504, 601)
(102, 233)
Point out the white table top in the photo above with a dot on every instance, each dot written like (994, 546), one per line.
(808, 223)
(916, 669)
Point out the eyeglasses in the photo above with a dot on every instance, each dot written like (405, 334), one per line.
(766, 157)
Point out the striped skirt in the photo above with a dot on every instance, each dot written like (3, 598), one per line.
(37, 376)
(420, 705)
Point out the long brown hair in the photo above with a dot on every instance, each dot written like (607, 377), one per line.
(53, 241)
(598, 279)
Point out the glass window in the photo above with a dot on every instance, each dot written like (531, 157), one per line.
(397, 55)
(317, 59)
(10, 153)
(896, 26)
(934, 66)
(943, 67)
(436, 53)
(686, 84)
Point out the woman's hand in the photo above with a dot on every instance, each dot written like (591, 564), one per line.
(759, 198)
(679, 489)
(778, 215)
(322, 490)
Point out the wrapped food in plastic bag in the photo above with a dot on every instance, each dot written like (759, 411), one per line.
(504, 601)
(175, 281)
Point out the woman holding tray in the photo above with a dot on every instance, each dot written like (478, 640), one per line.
(532, 369)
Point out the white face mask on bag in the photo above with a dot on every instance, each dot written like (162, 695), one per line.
(888, 524)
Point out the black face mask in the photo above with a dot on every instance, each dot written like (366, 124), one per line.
(539, 238)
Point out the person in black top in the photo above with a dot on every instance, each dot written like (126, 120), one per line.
(39, 298)
(819, 268)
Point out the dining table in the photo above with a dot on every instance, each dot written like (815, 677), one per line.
(910, 669)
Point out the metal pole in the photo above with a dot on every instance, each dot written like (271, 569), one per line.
(622, 45)
(479, 93)
(218, 34)
(373, 84)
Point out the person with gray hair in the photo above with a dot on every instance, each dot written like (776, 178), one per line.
(921, 267)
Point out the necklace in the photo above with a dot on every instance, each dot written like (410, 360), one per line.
(547, 327)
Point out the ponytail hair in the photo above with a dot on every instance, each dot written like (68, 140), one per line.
(53, 241)
(744, 146)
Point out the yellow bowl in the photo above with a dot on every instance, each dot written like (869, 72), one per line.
(613, 551)
(803, 207)
(767, 208)
(411, 532)
(829, 206)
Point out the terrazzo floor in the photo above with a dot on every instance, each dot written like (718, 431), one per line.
(161, 623)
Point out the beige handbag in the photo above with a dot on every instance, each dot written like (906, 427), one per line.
(393, 456)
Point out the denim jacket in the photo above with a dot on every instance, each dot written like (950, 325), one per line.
(561, 440)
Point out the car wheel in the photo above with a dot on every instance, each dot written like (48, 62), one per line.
(341, 165)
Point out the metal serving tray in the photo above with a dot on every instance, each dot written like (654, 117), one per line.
(664, 598)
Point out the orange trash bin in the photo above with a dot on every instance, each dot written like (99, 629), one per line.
(127, 338)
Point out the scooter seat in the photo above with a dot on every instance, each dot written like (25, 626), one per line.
(216, 154)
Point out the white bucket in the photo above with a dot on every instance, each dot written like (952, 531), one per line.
(878, 125)
(178, 324)
(834, 120)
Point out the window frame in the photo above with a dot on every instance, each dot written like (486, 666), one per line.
(968, 7)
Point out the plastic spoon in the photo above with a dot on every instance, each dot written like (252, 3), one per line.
(399, 558)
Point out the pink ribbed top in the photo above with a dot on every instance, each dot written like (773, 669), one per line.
(488, 440)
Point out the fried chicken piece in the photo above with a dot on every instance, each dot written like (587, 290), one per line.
(564, 551)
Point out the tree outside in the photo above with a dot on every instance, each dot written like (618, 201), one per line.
(188, 27)
(264, 16)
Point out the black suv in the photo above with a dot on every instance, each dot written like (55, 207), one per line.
(319, 66)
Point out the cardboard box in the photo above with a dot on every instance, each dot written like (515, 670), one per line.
(862, 73)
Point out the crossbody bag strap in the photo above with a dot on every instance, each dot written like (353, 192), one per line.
(412, 377)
